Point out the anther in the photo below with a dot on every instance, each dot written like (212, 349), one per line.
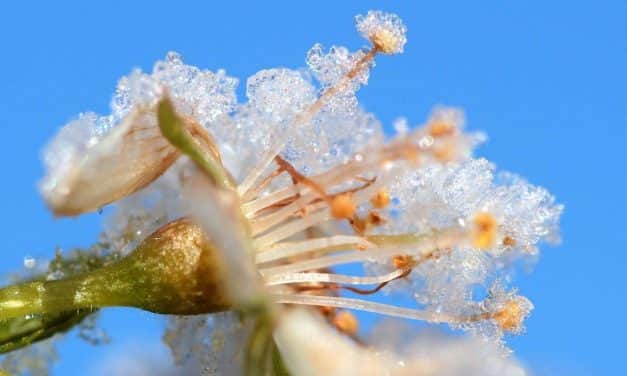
(485, 230)
(343, 206)
(346, 322)
(381, 199)
(510, 317)
(441, 129)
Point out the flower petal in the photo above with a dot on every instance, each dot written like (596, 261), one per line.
(89, 176)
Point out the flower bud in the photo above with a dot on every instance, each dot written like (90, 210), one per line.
(174, 271)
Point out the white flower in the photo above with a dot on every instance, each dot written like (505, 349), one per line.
(313, 185)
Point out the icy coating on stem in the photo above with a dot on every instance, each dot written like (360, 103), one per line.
(318, 185)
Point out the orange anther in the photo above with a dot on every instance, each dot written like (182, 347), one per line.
(485, 230)
(381, 199)
(346, 322)
(403, 261)
(343, 206)
(441, 129)
(510, 317)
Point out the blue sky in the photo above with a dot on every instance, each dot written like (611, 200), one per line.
(545, 80)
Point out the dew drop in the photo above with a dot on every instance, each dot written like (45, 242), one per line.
(425, 142)
(29, 262)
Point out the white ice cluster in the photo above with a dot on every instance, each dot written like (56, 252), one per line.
(200, 93)
(330, 70)
(443, 195)
(440, 196)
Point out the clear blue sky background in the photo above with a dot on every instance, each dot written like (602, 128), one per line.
(545, 79)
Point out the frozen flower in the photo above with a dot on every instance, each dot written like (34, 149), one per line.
(287, 187)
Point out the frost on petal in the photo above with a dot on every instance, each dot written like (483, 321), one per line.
(449, 356)
(309, 346)
(201, 93)
(386, 31)
(87, 169)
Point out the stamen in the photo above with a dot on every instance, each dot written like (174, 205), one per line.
(258, 226)
(511, 316)
(326, 244)
(300, 203)
(423, 252)
(263, 184)
(314, 219)
(254, 175)
(334, 176)
(334, 278)
(300, 178)
(252, 207)
(293, 227)
(367, 306)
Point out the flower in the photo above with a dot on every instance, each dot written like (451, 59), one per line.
(294, 183)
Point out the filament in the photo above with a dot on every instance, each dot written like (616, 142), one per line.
(367, 306)
(296, 248)
(334, 278)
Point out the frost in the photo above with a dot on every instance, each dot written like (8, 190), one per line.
(331, 69)
(211, 344)
(201, 93)
(279, 93)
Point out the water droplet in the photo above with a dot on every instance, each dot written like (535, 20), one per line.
(425, 142)
(29, 262)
